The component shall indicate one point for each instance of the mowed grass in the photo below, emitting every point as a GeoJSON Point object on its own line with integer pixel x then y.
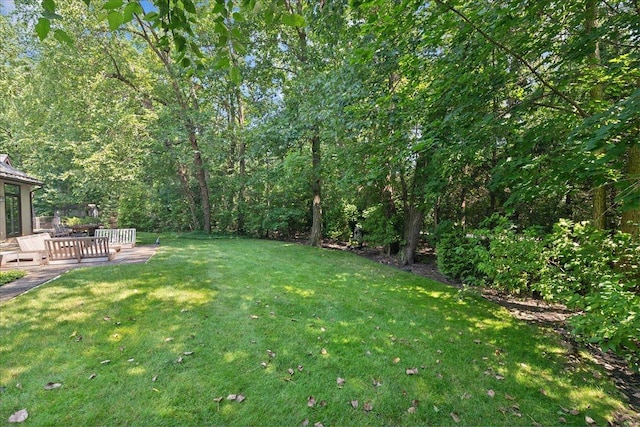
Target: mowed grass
{"type": "Point", "coordinates": [299, 334]}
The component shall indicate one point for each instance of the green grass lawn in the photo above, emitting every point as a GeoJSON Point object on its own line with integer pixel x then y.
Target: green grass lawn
{"type": "Point", "coordinates": [298, 334]}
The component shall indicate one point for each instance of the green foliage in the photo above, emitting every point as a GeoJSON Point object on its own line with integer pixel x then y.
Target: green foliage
{"type": "Point", "coordinates": [165, 342]}
{"type": "Point", "coordinates": [379, 227]}
{"type": "Point", "coordinates": [594, 272]}
{"type": "Point", "coordinates": [460, 255]}
{"type": "Point", "coordinates": [10, 276]}
{"type": "Point", "coordinates": [514, 261]}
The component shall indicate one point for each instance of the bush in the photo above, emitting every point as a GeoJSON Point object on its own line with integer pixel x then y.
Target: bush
{"type": "Point", "coordinates": [10, 276]}
{"type": "Point", "coordinates": [379, 228]}
{"type": "Point", "coordinates": [459, 255]}
{"type": "Point", "coordinates": [589, 270]}
{"type": "Point", "coordinates": [514, 262]}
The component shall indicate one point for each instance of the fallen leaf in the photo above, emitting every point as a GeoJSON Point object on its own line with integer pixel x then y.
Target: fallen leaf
{"type": "Point", "coordinates": [376, 383]}
{"type": "Point", "coordinates": [232, 397]}
{"type": "Point", "coordinates": [92, 376]}
{"type": "Point", "coordinates": [354, 404]}
{"type": "Point", "coordinates": [562, 420]}
{"type": "Point", "coordinates": [188, 353]}
{"type": "Point", "coordinates": [73, 334]}
{"type": "Point", "coordinates": [499, 377]}
{"type": "Point", "coordinates": [543, 391]}
{"type": "Point", "coordinates": [154, 379]}
{"type": "Point", "coordinates": [253, 316]}
{"type": "Point", "coordinates": [131, 360]}
{"type": "Point", "coordinates": [107, 318]}
{"type": "Point", "coordinates": [491, 393]}
{"type": "Point", "coordinates": [455, 417]}
{"type": "Point", "coordinates": [467, 395]}
{"type": "Point", "coordinates": [396, 360]}
{"type": "Point", "coordinates": [340, 382]}
{"type": "Point", "coordinates": [324, 351]}
{"type": "Point", "coordinates": [574, 412]}
{"type": "Point", "coordinates": [411, 410]}
{"type": "Point", "coordinates": [318, 424]}
{"type": "Point", "coordinates": [323, 403]}
{"type": "Point", "coordinates": [271, 353]}
{"type": "Point", "coordinates": [240, 398]}
{"type": "Point", "coordinates": [168, 339]}
{"type": "Point", "coordinates": [589, 420]}
{"type": "Point", "coordinates": [218, 399]}
{"type": "Point", "coordinates": [476, 342]}
{"type": "Point", "coordinates": [179, 360]}
{"type": "Point", "coordinates": [52, 386]}
{"type": "Point", "coordinates": [367, 407]}
{"type": "Point", "coordinates": [19, 417]}
{"type": "Point", "coordinates": [508, 397]}
{"type": "Point", "coordinates": [412, 371]}
{"type": "Point", "coordinates": [305, 422]}
{"type": "Point", "coordinates": [291, 371]}
{"type": "Point", "coordinates": [300, 368]}
{"type": "Point", "coordinates": [263, 364]}
{"type": "Point", "coordinates": [311, 402]}
{"type": "Point", "coordinates": [105, 362]}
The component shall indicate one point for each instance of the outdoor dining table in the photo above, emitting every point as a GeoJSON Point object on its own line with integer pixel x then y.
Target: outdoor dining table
{"type": "Point", "coordinates": [86, 229]}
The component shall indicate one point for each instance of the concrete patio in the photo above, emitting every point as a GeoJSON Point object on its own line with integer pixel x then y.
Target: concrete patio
{"type": "Point", "coordinates": [37, 275]}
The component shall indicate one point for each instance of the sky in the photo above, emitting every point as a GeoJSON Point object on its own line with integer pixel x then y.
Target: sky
{"type": "Point", "coordinates": [6, 6]}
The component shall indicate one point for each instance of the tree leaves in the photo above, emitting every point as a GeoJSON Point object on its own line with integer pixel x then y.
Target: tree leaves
{"type": "Point", "coordinates": [42, 28]}
{"type": "Point", "coordinates": [293, 20]}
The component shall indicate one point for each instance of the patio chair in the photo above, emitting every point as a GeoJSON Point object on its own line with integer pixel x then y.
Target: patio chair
{"type": "Point", "coordinates": [61, 231]}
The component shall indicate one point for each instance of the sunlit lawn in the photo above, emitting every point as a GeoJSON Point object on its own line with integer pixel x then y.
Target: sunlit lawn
{"type": "Point", "coordinates": [298, 334]}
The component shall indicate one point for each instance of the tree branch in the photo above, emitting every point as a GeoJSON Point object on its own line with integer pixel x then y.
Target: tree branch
{"type": "Point", "coordinates": [119, 76]}
{"type": "Point", "coordinates": [577, 108]}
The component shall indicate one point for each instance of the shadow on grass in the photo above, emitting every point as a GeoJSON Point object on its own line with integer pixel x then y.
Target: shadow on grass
{"type": "Point", "coordinates": [279, 323]}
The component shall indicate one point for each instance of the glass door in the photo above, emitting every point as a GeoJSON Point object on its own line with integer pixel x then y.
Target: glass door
{"type": "Point", "coordinates": [12, 210]}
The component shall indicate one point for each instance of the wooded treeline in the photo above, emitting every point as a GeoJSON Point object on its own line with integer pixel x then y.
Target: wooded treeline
{"type": "Point", "coordinates": [294, 117]}
{"type": "Point", "coordinates": [489, 129]}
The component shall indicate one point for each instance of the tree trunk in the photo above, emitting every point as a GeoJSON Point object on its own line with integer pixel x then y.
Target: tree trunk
{"type": "Point", "coordinates": [201, 176]}
{"type": "Point", "coordinates": [413, 218]}
{"type": "Point", "coordinates": [191, 199]}
{"type": "Point", "coordinates": [315, 239]}
{"type": "Point", "coordinates": [631, 217]}
{"type": "Point", "coordinates": [596, 94]}
{"type": "Point", "coordinates": [242, 148]}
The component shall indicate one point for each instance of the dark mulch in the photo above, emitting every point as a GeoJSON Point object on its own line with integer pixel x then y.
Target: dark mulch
{"type": "Point", "coordinates": [532, 310]}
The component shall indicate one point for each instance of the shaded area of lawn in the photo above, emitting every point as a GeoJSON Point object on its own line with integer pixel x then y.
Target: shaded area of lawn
{"type": "Point", "coordinates": [300, 333]}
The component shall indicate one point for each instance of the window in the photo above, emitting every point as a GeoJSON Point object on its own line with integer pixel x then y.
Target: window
{"type": "Point", "coordinates": [12, 210]}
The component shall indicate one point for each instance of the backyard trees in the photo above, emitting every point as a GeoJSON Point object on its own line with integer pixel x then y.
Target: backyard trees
{"type": "Point", "coordinates": [453, 111]}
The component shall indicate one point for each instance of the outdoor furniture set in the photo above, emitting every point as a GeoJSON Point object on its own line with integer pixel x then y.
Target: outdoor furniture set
{"type": "Point", "coordinates": [37, 249]}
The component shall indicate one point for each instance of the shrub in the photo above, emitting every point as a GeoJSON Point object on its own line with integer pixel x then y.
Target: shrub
{"type": "Point", "coordinates": [10, 276]}
{"type": "Point", "coordinates": [379, 228]}
{"type": "Point", "coordinates": [514, 261]}
{"type": "Point", "coordinates": [460, 254]}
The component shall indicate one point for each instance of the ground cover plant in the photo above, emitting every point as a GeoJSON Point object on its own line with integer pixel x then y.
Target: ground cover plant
{"type": "Point", "coordinates": [246, 332]}
{"type": "Point", "coordinates": [10, 276]}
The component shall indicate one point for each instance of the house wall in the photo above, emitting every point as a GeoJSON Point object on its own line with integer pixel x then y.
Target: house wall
{"type": "Point", "coordinates": [25, 210]}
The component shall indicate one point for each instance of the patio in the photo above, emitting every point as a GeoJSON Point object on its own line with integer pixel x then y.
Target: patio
{"type": "Point", "coordinates": [38, 275]}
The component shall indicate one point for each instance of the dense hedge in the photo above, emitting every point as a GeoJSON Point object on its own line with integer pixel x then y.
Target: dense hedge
{"type": "Point", "coordinates": [595, 273]}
